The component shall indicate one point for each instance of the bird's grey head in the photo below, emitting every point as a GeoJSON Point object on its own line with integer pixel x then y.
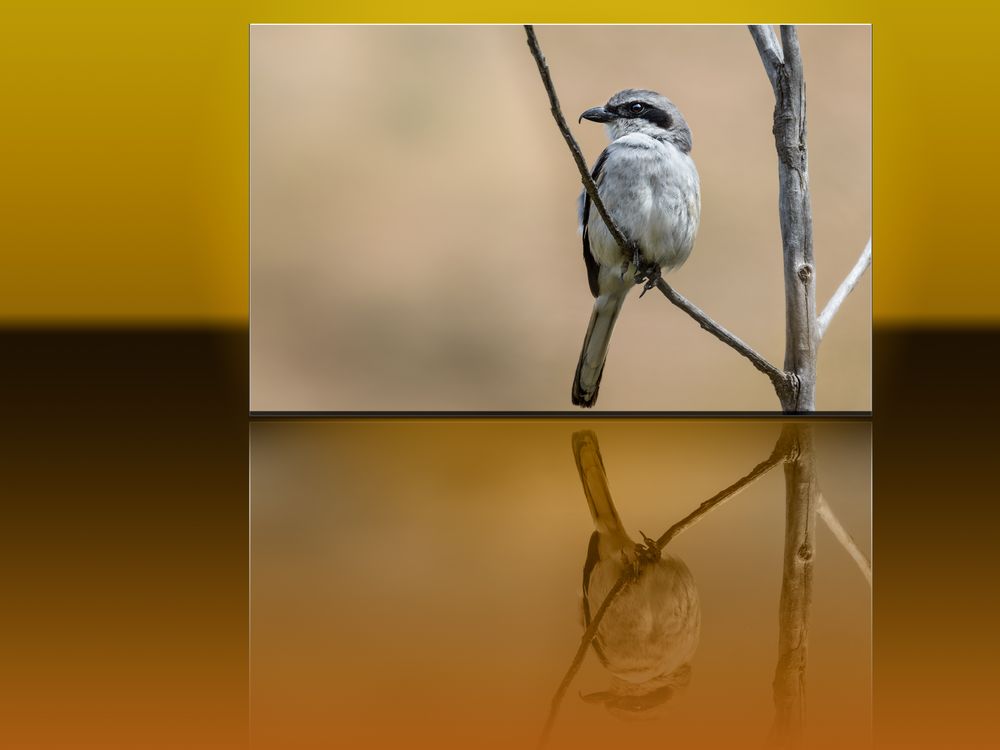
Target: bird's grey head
{"type": "Point", "coordinates": [642, 111]}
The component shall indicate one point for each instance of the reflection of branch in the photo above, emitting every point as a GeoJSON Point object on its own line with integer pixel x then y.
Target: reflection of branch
{"type": "Point", "coordinates": [801, 500]}
{"type": "Point", "coordinates": [825, 512]}
{"type": "Point", "coordinates": [783, 384]}
{"type": "Point", "coordinates": [845, 288]}
{"type": "Point", "coordinates": [588, 637]}
{"type": "Point", "coordinates": [628, 576]}
{"type": "Point", "coordinates": [776, 457]}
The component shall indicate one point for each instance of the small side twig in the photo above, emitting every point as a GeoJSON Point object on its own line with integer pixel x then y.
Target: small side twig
{"type": "Point", "coordinates": [784, 385]}
{"type": "Point", "coordinates": [845, 288]}
{"type": "Point", "coordinates": [770, 52]}
{"type": "Point", "coordinates": [846, 540]}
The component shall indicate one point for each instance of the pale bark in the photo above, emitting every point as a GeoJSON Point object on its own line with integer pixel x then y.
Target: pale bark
{"type": "Point", "coordinates": [794, 213]}
{"type": "Point", "coordinates": [803, 328]}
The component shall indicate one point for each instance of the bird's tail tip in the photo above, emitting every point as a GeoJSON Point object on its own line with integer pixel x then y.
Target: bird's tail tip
{"type": "Point", "coordinates": [581, 397]}
{"type": "Point", "coordinates": [584, 439]}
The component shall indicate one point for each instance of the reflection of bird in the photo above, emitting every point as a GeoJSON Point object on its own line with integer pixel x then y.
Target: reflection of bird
{"type": "Point", "coordinates": [649, 184]}
{"type": "Point", "coordinates": [650, 631]}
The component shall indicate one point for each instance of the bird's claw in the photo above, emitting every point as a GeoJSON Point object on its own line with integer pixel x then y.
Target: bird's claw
{"type": "Point", "coordinates": [635, 261]}
{"type": "Point", "coordinates": [641, 555]}
{"type": "Point", "coordinates": [650, 551]}
{"type": "Point", "coordinates": [647, 275]}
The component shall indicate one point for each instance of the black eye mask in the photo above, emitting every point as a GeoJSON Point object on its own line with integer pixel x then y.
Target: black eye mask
{"type": "Point", "coordinates": [652, 114]}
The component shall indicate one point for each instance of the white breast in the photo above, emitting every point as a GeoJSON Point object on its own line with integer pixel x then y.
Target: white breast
{"type": "Point", "coordinates": [651, 189]}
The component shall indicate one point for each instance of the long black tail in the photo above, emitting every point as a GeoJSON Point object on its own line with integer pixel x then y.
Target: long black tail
{"type": "Point", "coordinates": [590, 368]}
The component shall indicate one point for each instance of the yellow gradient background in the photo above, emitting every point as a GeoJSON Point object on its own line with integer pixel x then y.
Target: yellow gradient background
{"type": "Point", "coordinates": [124, 137]}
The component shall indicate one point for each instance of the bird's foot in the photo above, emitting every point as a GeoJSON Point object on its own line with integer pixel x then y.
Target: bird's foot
{"type": "Point", "coordinates": [641, 555]}
{"type": "Point", "coordinates": [649, 551]}
{"type": "Point", "coordinates": [635, 260]}
{"type": "Point", "coordinates": [647, 274]}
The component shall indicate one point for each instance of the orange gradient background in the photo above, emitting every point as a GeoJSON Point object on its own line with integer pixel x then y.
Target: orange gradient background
{"type": "Point", "coordinates": [125, 538]}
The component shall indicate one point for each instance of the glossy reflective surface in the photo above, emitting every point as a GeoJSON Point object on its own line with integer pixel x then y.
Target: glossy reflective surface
{"type": "Point", "coordinates": [427, 583]}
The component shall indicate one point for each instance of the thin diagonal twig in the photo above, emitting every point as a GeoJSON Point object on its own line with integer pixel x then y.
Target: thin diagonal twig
{"type": "Point", "coordinates": [777, 456]}
{"type": "Point", "coordinates": [585, 640]}
{"type": "Point", "coordinates": [574, 147]}
{"type": "Point", "coordinates": [778, 379]}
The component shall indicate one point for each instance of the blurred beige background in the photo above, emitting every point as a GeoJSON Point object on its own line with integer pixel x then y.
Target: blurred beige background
{"type": "Point", "coordinates": [414, 241]}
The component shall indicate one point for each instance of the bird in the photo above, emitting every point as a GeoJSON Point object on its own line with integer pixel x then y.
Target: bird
{"type": "Point", "coordinates": [650, 632]}
{"type": "Point", "coordinates": [649, 184]}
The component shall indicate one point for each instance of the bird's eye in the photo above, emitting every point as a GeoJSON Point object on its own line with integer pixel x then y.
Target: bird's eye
{"type": "Point", "coordinates": [636, 107]}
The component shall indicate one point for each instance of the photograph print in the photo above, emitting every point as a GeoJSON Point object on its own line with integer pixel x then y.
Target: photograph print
{"type": "Point", "coordinates": [560, 218]}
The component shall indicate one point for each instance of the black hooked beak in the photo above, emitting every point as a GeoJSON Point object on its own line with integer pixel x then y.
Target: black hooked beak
{"type": "Point", "coordinates": [597, 114]}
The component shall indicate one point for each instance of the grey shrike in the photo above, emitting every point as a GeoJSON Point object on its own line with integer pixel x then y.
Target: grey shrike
{"type": "Point", "coordinates": [649, 184]}
{"type": "Point", "coordinates": [649, 634]}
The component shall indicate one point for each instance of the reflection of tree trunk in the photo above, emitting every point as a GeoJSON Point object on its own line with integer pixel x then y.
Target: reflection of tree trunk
{"type": "Point", "coordinates": [801, 504]}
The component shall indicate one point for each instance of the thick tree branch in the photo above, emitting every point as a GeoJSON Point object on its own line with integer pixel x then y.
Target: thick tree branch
{"type": "Point", "coordinates": [845, 288]}
{"type": "Point", "coordinates": [794, 212]}
{"type": "Point", "coordinates": [783, 384]}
